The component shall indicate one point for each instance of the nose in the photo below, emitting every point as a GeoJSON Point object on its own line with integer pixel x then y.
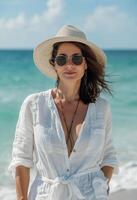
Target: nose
{"type": "Point", "coordinates": [69, 67]}
{"type": "Point", "coordinates": [69, 62]}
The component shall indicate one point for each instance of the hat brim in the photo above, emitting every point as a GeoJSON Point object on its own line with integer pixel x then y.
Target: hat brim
{"type": "Point", "coordinates": [42, 53]}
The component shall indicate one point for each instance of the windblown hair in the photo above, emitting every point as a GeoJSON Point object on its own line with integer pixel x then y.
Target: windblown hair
{"type": "Point", "coordinates": [93, 81]}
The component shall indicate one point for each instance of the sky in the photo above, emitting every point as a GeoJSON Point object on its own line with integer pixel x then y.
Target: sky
{"type": "Point", "coordinates": [110, 24]}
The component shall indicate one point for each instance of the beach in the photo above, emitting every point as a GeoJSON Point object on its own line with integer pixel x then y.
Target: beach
{"type": "Point", "coordinates": [130, 194]}
{"type": "Point", "coordinates": [123, 194]}
{"type": "Point", "coordinates": [22, 79]}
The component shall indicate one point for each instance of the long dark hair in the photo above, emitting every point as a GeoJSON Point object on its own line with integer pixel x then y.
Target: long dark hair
{"type": "Point", "coordinates": [93, 81]}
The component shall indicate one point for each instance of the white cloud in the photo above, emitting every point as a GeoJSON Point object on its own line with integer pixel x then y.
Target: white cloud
{"type": "Point", "coordinates": [108, 17]}
{"type": "Point", "coordinates": [112, 27]}
{"type": "Point", "coordinates": [14, 23]}
{"type": "Point", "coordinates": [54, 10]}
{"type": "Point", "coordinates": [22, 30]}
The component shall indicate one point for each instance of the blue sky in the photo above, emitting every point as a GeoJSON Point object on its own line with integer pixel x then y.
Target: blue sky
{"type": "Point", "coordinates": [108, 23]}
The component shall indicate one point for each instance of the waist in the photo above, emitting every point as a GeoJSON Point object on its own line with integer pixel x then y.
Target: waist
{"type": "Point", "coordinates": [67, 178]}
{"type": "Point", "coordinates": [59, 182]}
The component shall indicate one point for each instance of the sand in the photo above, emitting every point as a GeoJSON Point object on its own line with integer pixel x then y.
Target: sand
{"type": "Point", "coordinates": [124, 195]}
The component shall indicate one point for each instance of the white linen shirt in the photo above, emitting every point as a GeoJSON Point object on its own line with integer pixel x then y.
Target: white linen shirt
{"type": "Point", "coordinates": [40, 142]}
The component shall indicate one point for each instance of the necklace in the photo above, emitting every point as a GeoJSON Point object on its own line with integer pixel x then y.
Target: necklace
{"type": "Point", "coordinates": [73, 117]}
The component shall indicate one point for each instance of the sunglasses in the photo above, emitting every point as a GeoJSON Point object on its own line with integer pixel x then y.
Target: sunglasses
{"type": "Point", "coordinates": [76, 59]}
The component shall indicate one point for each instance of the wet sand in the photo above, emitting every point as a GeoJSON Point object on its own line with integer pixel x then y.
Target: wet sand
{"type": "Point", "coordinates": [124, 195]}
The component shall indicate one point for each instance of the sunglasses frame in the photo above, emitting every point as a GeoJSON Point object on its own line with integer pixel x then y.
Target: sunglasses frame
{"type": "Point", "coordinates": [68, 58]}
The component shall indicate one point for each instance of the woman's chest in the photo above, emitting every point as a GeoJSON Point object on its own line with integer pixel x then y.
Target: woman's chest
{"type": "Point", "coordinates": [49, 134]}
{"type": "Point", "coordinates": [72, 120]}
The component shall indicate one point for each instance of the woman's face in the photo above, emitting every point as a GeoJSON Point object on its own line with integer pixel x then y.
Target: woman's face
{"type": "Point", "coordinates": [70, 71]}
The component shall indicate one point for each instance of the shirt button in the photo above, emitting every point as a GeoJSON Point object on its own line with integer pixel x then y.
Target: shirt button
{"type": "Point", "coordinates": [67, 170]}
{"type": "Point", "coordinates": [74, 150]}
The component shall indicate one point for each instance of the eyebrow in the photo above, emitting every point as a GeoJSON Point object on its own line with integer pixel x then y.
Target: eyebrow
{"type": "Point", "coordinates": [63, 54]}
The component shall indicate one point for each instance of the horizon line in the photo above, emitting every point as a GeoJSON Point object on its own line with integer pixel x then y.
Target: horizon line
{"type": "Point", "coordinates": [105, 49]}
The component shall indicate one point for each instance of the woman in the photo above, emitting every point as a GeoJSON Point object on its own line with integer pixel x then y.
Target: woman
{"type": "Point", "coordinates": [65, 132]}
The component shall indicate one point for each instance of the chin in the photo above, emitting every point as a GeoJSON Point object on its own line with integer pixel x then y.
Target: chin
{"type": "Point", "coordinates": [72, 76]}
{"type": "Point", "coordinates": [72, 79]}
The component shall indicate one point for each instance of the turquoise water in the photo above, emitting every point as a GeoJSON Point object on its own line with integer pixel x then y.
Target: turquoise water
{"type": "Point", "coordinates": [123, 66]}
{"type": "Point", "coordinates": [19, 78]}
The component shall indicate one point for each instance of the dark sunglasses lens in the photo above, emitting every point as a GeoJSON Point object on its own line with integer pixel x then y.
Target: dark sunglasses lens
{"type": "Point", "coordinates": [60, 60]}
{"type": "Point", "coordinates": [77, 59]}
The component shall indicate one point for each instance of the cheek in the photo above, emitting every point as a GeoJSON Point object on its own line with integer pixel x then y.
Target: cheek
{"type": "Point", "coordinates": [57, 69]}
{"type": "Point", "coordinates": [82, 71]}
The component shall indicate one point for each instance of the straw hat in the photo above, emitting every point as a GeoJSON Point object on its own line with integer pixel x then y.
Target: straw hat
{"type": "Point", "coordinates": [42, 53]}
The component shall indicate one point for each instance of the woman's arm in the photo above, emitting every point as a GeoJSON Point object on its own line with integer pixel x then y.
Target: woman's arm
{"type": "Point", "coordinates": [109, 162]}
{"type": "Point", "coordinates": [22, 182]}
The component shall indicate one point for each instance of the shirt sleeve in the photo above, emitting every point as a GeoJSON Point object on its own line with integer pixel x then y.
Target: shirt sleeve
{"type": "Point", "coordinates": [22, 151]}
{"type": "Point", "coordinates": [109, 153]}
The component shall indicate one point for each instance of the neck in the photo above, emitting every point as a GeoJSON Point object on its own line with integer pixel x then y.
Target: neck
{"type": "Point", "coordinates": [69, 92]}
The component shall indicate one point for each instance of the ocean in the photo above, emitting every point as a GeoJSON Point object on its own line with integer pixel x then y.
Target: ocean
{"type": "Point", "coordinates": [19, 77]}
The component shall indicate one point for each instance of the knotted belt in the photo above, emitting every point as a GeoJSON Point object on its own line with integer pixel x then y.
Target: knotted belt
{"type": "Point", "coordinates": [57, 191]}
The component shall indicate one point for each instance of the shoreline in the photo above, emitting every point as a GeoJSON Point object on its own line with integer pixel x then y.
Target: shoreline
{"type": "Point", "coordinates": [126, 194]}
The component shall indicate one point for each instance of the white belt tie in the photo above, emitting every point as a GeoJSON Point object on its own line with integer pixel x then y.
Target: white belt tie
{"type": "Point", "coordinates": [57, 189]}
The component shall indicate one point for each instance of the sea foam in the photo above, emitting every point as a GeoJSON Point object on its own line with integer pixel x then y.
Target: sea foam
{"type": "Point", "coordinates": [126, 179]}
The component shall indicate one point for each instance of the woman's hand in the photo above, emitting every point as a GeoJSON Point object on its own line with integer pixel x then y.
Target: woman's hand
{"type": "Point", "coordinates": [108, 171]}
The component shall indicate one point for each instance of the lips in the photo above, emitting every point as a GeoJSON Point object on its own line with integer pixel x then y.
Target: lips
{"type": "Point", "coordinates": [70, 73]}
